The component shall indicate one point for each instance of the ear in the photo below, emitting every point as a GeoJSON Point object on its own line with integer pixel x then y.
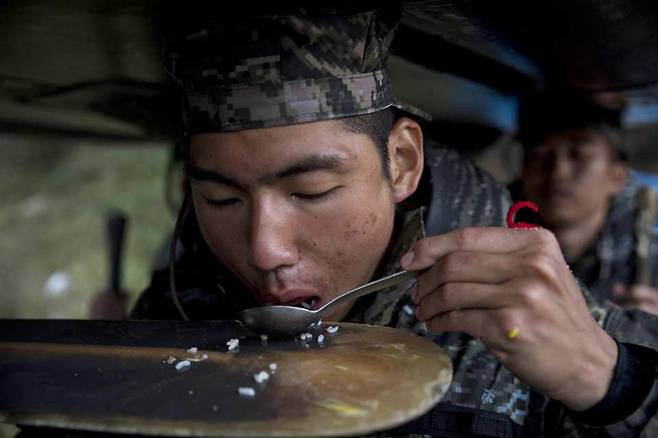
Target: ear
{"type": "Point", "coordinates": [618, 176]}
{"type": "Point", "coordinates": [405, 151]}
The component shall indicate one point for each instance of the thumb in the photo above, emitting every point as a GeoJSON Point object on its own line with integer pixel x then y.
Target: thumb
{"type": "Point", "coordinates": [419, 257]}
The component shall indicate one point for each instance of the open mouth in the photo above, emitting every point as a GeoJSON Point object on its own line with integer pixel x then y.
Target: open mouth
{"type": "Point", "coordinates": [309, 303]}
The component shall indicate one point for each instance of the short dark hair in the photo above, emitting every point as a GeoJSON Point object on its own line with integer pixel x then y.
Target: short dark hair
{"type": "Point", "coordinates": [377, 126]}
{"type": "Point", "coordinates": [542, 115]}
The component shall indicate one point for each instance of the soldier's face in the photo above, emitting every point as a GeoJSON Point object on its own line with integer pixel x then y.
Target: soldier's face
{"type": "Point", "coordinates": [299, 213]}
{"type": "Point", "coordinates": [572, 175]}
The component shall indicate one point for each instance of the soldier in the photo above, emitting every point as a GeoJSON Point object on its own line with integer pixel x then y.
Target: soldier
{"type": "Point", "coordinates": [575, 169]}
{"type": "Point", "coordinates": [308, 178]}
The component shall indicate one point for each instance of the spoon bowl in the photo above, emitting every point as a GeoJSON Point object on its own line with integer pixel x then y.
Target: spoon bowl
{"type": "Point", "coordinates": [278, 320]}
{"type": "Point", "coordinates": [290, 320]}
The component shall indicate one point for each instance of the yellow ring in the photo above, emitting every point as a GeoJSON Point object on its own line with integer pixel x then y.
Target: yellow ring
{"type": "Point", "coordinates": [513, 334]}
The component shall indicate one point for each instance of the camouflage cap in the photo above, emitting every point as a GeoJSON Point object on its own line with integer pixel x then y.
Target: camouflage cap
{"type": "Point", "coordinates": [281, 70]}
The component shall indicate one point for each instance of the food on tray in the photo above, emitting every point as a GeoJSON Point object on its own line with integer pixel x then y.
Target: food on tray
{"type": "Point", "coordinates": [182, 365]}
{"type": "Point", "coordinates": [232, 344]}
{"type": "Point", "coordinates": [261, 377]}
{"type": "Point", "coordinates": [247, 391]}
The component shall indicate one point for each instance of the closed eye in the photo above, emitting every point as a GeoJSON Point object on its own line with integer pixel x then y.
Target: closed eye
{"type": "Point", "coordinates": [219, 203]}
{"type": "Point", "coordinates": [315, 196]}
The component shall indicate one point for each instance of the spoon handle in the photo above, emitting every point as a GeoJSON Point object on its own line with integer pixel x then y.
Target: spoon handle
{"type": "Point", "coordinates": [371, 287]}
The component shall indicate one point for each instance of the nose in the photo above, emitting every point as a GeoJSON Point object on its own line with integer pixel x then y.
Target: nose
{"type": "Point", "coordinates": [560, 165]}
{"type": "Point", "coordinates": [272, 236]}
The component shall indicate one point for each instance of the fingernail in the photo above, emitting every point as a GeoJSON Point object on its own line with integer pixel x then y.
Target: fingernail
{"type": "Point", "coordinates": [407, 259]}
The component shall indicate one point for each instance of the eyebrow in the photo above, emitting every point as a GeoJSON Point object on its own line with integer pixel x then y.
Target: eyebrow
{"type": "Point", "coordinates": [308, 164]}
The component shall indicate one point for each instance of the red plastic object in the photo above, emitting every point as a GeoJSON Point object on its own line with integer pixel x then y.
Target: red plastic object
{"type": "Point", "coordinates": [514, 209]}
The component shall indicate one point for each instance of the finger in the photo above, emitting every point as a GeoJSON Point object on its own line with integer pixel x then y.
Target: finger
{"type": "Point", "coordinates": [459, 296]}
{"type": "Point", "coordinates": [638, 303]}
{"type": "Point", "coordinates": [642, 292]}
{"type": "Point", "coordinates": [465, 267]}
{"type": "Point", "coordinates": [469, 321]}
{"type": "Point", "coordinates": [637, 296]}
{"type": "Point", "coordinates": [427, 251]}
{"type": "Point", "coordinates": [491, 326]}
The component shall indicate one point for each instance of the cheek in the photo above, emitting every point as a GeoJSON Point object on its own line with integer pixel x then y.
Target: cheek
{"type": "Point", "coordinates": [591, 187]}
{"type": "Point", "coordinates": [359, 240]}
{"type": "Point", "coordinates": [364, 227]}
{"type": "Point", "coordinates": [222, 233]}
{"type": "Point", "coordinates": [592, 178]}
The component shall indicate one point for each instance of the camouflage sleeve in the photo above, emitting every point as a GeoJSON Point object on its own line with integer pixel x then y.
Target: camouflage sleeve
{"type": "Point", "coordinates": [639, 331]}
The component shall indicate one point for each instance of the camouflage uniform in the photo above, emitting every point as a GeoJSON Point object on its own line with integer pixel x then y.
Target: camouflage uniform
{"type": "Point", "coordinates": [295, 70]}
{"type": "Point", "coordinates": [612, 257]}
{"type": "Point", "coordinates": [498, 403]}
{"type": "Point", "coordinates": [485, 399]}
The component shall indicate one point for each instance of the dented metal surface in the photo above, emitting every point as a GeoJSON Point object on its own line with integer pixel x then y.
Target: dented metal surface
{"type": "Point", "coordinates": [118, 377]}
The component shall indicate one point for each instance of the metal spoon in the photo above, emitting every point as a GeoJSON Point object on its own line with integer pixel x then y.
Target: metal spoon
{"type": "Point", "coordinates": [290, 320]}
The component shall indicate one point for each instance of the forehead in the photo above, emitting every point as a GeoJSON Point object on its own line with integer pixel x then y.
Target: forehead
{"type": "Point", "coordinates": [256, 151]}
{"type": "Point", "coordinates": [594, 142]}
{"type": "Point", "coordinates": [574, 137]}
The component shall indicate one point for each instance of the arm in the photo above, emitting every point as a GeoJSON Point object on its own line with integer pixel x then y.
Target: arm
{"type": "Point", "coordinates": [626, 408]}
{"type": "Point", "coordinates": [638, 332]}
{"type": "Point", "coordinates": [487, 282]}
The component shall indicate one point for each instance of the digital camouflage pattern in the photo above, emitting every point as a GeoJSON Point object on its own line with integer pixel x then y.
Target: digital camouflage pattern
{"type": "Point", "coordinates": [281, 70]}
{"type": "Point", "coordinates": [468, 197]}
{"type": "Point", "coordinates": [292, 69]}
{"type": "Point", "coordinates": [485, 399]}
{"type": "Point", "coordinates": [612, 257]}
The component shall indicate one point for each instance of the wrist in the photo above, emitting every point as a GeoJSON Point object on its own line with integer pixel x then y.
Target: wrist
{"type": "Point", "coordinates": [592, 374]}
{"type": "Point", "coordinates": [633, 381]}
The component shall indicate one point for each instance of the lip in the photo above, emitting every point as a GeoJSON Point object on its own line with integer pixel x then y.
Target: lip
{"type": "Point", "coordinates": [559, 193]}
{"type": "Point", "coordinates": [290, 297]}
{"type": "Point", "coordinates": [559, 198]}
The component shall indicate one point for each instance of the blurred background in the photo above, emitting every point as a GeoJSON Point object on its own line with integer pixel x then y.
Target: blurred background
{"type": "Point", "coordinates": [55, 196]}
{"type": "Point", "coordinates": [78, 84]}
{"type": "Point", "coordinates": [88, 121]}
